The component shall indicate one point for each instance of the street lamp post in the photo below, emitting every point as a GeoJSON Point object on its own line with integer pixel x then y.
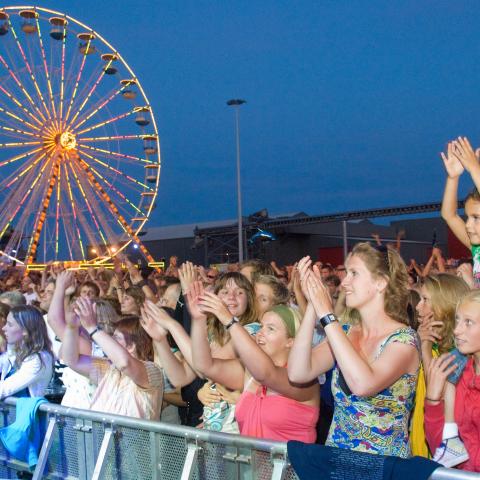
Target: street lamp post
{"type": "Point", "coordinates": [236, 102]}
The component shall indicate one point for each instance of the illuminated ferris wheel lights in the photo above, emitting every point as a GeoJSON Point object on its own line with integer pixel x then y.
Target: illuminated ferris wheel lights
{"type": "Point", "coordinates": [56, 85]}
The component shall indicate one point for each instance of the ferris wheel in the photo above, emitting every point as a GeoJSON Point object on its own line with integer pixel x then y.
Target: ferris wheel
{"type": "Point", "coordinates": [79, 147]}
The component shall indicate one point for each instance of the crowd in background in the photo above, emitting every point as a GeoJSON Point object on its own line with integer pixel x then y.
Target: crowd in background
{"type": "Point", "coordinates": [379, 354]}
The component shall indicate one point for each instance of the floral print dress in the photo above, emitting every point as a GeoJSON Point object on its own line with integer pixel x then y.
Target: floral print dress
{"type": "Point", "coordinates": [376, 424]}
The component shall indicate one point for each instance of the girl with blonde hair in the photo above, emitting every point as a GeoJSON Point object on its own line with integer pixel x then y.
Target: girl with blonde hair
{"type": "Point", "coordinates": [439, 296]}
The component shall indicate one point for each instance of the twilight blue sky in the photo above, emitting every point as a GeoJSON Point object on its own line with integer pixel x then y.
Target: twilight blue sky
{"type": "Point", "coordinates": [349, 102]}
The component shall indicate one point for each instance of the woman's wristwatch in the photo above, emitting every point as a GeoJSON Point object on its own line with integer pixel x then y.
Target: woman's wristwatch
{"type": "Point", "coordinates": [328, 319]}
{"type": "Point", "coordinates": [233, 321]}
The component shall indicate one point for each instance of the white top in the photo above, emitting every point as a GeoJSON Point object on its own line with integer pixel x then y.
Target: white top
{"type": "Point", "coordinates": [56, 344]}
{"type": "Point", "coordinates": [32, 374]}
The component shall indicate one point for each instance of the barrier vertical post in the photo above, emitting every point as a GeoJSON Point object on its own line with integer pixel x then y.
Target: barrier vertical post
{"type": "Point", "coordinates": [192, 453]}
{"type": "Point", "coordinates": [47, 444]}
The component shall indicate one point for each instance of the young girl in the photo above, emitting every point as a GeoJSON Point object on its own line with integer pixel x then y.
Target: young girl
{"type": "Point", "coordinates": [260, 370]}
{"type": "Point", "coordinates": [219, 403]}
{"type": "Point", "coordinates": [467, 390]}
{"type": "Point", "coordinates": [269, 291]}
{"type": "Point", "coordinates": [439, 295]}
{"type": "Point", "coordinates": [128, 382]}
{"type": "Point", "coordinates": [27, 364]}
{"type": "Point", "coordinates": [376, 358]}
{"type": "Point", "coordinates": [460, 156]}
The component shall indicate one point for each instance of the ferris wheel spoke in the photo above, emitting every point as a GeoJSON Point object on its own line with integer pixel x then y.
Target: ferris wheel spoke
{"type": "Point", "coordinates": [121, 195]}
{"type": "Point", "coordinates": [29, 69]}
{"type": "Point", "coordinates": [74, 211]}
{"type": "Point", "coordinates": [62, 71]}
{"type": "Point", "coordinates": [57, 213]}
{"type": "Point", "coordinates": [97, 201]}
{"type": "Point", "coordinates": [90, 93]}
{"type": "Point", "coordinates": [23, 89]}
{"type": "Point", "coordinates": [102, 105]}
{"type": "Point", "coordinates": [44, 58]}
{"type": "Point", "coordinates": [110, 185]}
{"type": "Point", "coordinates": [116, 171]}
{"type": "Point", "coordinates": [81, 188]}
{"type": "Point", "coordinates": [14, 132]}
{"type": "Point", "coordinates": [77, 81]}
{"type": "Point", "coordinates": [83, 224]}
{"type": "Point", "coordinates": [20, 157]}
{"type": "Point", "coordinates": [114, 210]}
{"type": "Point", "coordinates": [18, 144]}
{"type": "Point", "coordinates": [19, 204]}
{"type": "Point", "coordinates": [106, 122]}
{"type": "Point", "coordinates": [106, 139]}
{"type": "Point", "coordinates": [19, 104]}
{"type": "Point", "coordinates": [18, 119]}
{"type": "Point", "coordinates": [20, 172]}
{"type": "Point", "coordinates": [116, 155]}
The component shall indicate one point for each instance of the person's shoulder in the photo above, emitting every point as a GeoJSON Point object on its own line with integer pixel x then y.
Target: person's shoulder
{"type": "Point", "coordinates": [403, 334]}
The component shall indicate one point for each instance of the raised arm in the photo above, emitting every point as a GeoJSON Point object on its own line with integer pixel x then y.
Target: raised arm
{"type": "Point", "coordinates": [227, 372]}
{"type": "Point", "coordinates": [362, 377]}
{"type": "Point", "coordinates": [69, 352]}
{"type": "Point", "coordinates": [137, 280]}
{"type": "Point", "coordinates": [56, 317]}
{"type": "Point", "coordinates": [454, 169]}
{"type": "Point", "coordinates": [179, 373]}
{"type": "Point", "coordinates": [116, 353]}
{"type": "Point", "coordinates": [437, 253]}
{"type": "Point", "coordinates": [252, 357]}
{"type": "Point", "coordinates": [305, 364]}
{"type": "Point", "coordinates": [469, 159]}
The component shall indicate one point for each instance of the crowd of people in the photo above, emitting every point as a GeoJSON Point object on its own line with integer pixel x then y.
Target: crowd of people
{"type": "Point", "coordinates": [376, 355]}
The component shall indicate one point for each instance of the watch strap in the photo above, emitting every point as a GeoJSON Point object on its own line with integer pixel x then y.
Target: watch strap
{"type": "Point", "coordinates": [328, 319]}
{"type": "Point", "coordinates": [233, 321]}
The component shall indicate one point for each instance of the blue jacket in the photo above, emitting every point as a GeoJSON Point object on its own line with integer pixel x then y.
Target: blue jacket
{"type": "Point", "coordinates": [24, 437]}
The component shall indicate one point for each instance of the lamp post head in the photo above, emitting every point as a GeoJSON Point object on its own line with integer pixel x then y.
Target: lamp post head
{"type": "Point", "coordinates": [236, 102]}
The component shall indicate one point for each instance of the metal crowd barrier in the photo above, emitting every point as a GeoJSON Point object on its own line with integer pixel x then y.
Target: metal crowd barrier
{"type": "Point", "coordinates": [84, 445]}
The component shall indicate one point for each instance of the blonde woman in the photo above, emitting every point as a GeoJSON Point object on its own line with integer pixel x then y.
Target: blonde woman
{"type": "Point", "coordinates": [375, 359]}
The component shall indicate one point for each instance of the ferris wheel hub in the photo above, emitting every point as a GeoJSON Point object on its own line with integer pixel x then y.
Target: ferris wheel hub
{"type": "Point", "coordinates": [66, 140]}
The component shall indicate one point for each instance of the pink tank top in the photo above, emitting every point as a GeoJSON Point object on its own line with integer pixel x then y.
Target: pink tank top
{"type": "Point", "coordinates": [275, 417]}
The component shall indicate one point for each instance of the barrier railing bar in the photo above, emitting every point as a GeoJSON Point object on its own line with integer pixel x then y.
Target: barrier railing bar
{"type": "Point", "coordinates": [102, 454]}
{"type": "Point", "coordinates": [451, 474]}
{"type": "Point", "coordinates": [158, 427]}
{"type": "Point", "coordinates": [46, 445]}
{"type": "Point", "coordinates": [193, 450]}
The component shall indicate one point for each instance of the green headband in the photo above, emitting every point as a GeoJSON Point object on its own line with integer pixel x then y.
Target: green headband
{"type": "Point", "coordinates": [286, 314]}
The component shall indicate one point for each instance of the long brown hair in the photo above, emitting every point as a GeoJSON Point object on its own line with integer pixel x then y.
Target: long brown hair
{"type": "Point", "coordinates": [35, 338]}
{"type": "Point", "coordinates": [216, 331]}
{"type": "Point", "coordinates": [135, 335]}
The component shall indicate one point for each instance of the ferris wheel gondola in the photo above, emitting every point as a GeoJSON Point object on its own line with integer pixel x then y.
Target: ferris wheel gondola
{"type": "Point", "coordinates": [79, 146]}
